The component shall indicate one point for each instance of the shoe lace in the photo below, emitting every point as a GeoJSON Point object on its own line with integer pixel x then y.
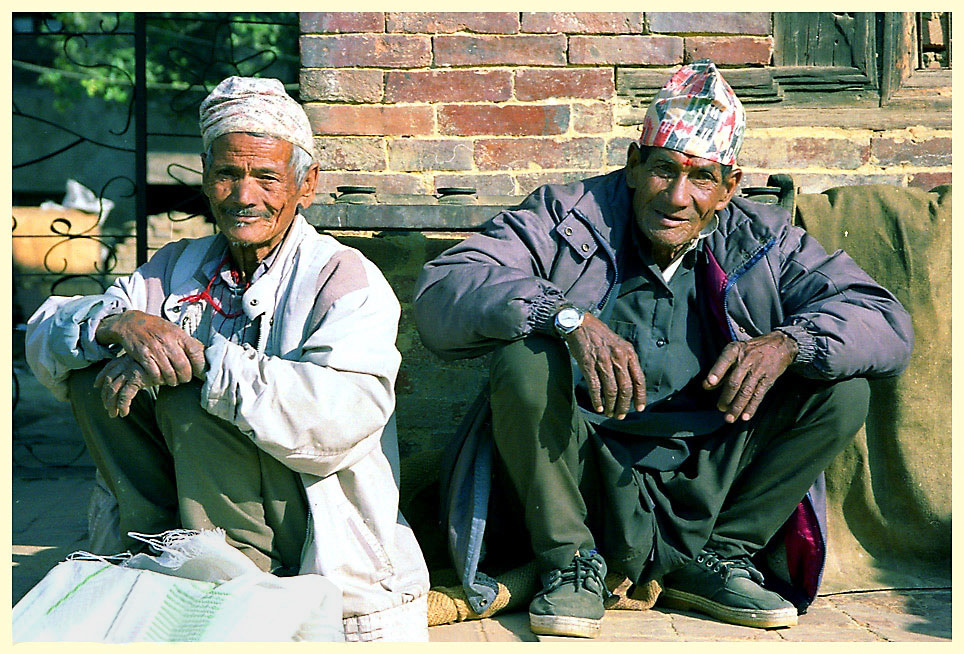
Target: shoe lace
{"type": "Point", "coordinates": [727, 567]}
{"type": "Point", "coordinates": [585, 571]}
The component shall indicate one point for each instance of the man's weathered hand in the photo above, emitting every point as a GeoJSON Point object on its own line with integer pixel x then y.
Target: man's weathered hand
{"type": "Point", "coordinates": [610, 366]}
{"type": "Point", "coordinates": [746, 370]}
{"type": "Point", "coordinates": [120, 380]}
{"type": "Point", "coordinates": [167, 354]}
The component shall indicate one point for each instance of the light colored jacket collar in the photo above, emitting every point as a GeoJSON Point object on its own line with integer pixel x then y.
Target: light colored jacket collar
{"type": "Point", "coordinates": [259, 298]}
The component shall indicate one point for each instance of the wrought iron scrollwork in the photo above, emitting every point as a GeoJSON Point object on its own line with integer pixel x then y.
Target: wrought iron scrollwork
{"type": "Point", "coordinates": [65, 53]}
{"type": "Point", "coordinates": [111, 68]}
{"type": "Point", "coordinates": [176, 213]}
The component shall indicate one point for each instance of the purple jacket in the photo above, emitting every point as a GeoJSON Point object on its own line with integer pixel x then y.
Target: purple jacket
{"type": "Point", "coordinates": [559, 246]}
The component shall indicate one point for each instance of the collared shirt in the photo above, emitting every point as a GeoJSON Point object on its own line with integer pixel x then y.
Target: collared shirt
{"type": "Point", "coordinates": [659, 313]}
{"type": "Point", "coordinates": [231, 322]}
{"type": "Point", "coordinates": [670, 270]}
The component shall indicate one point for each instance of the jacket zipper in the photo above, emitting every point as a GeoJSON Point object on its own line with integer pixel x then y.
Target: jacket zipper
{"type": "Point", "coordinates": [263, 325]}
{"type": "Point", "coordinates": [605, 248]}
{"type": "Point", "coordinates": [308, 531]}
{"type": "Point", "coordinates": [610, 291]}
{"type": "Point", "coordinates": [739, 272]}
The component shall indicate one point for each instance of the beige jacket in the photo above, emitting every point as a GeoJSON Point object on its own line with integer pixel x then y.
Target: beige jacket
{"type": "Point", "coordinates": [317, 393]}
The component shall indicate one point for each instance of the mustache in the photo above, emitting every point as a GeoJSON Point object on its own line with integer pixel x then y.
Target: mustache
{"type": "Point", "coordinates": [244, 213]}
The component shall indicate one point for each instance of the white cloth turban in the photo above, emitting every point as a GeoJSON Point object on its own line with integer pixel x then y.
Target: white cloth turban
{"type": "Point", "coordinates": [254, 104]}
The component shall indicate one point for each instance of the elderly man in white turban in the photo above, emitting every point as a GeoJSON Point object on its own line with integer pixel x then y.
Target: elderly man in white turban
{"type": "Point", "coordinates": [245, 381]}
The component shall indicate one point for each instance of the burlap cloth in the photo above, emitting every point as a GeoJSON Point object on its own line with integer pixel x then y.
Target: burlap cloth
{"type": "Point", "coordinates": [889, 493]}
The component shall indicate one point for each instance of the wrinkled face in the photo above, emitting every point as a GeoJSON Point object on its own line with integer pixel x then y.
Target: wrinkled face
{"type": "Point", "coordinates": [252, 190]}
{"type": "Point", "coordinates": [675, 196]}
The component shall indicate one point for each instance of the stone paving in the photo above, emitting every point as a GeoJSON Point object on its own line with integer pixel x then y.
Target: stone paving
{"type": "Point", "coordinates": [52, 479]}
{"type": "Point", "coordinates": [878, 616]}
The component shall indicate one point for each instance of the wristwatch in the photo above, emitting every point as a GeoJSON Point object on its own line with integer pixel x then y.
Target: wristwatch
{"type": "Point", "coordinates": [568, 319]}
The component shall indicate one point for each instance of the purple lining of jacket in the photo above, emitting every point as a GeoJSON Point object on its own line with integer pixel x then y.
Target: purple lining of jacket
{"type": "Point", "coordinates": [804, 531]}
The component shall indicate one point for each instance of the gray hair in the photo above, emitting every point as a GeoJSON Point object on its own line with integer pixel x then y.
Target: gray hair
{"type": "Point", "coordinates": [298, 163]}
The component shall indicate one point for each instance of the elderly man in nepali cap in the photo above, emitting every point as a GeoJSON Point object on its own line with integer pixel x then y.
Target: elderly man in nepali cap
{"type": "Point", "coordinates": [245, 381]}
{"type": "Point", "coordinates": [672, 367]}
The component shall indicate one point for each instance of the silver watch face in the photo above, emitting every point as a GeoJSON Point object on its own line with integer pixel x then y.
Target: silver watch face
{"type": "Point", "coordinates": [568, 319]}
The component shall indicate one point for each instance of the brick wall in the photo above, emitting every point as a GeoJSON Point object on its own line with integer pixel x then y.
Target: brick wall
{"type": "Point", "coordinates": [503, 102]}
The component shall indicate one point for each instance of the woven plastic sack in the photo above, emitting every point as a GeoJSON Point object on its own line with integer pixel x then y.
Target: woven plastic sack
{"type": "Point", "coordinates": [198, 589]}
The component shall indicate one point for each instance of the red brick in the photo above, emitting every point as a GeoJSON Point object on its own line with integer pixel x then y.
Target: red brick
{"type": "Point", "coordinates": [433, 154]}
{"type": "Point", "coordinates": [446, 22]}
{"type": "Point", "coordinates": [369, 120]}
{"type": "Point", "coordinates": [365, 50]}
{"type": "Point", "coordinates": [803, 152]}
{"type": "Point", "coordinates": [350, 153]}
{"type": "Point", "coordinates": [731, 50]}
{"type": "Point", "coordinates": [517, 50]}
{"type": "Point", "coordinates": [505, 120]}
{"type": "Point", "coordinates": [520, 154]}
{"type": "Point", "coordinates": [820, 182]}
{"type": "Point", "coordinates": [754, 178]}
{"type": "Point", "coordinates": [594, 118]}
{"type": "Point", "coordinates": [929, 180]}
{"type": "Point", "coordinates": [583, 22]}
{"type": "Point", "coordinates": [341, 21]}
{"type": "Point", "coordinates": [890, 151]}
{"type": "Point", "coordinates": [712, 22]}
{"type": "Point", "coordinates": [616, 149]}
{"type": "Point", "coordinates": [493, 184]}
{"type": "Point", "coordinates": [528, 182]}
{"type": "Point", "coordinates": [395, 183]}
{"type": "Point", "coordinates": [460, 85]}
{"type": "Point", "coordinates": [341, 85]}
{"type": "Point", "coordinates": [626, 50]}
{"type": "Point", "coordinates": [541, 83]}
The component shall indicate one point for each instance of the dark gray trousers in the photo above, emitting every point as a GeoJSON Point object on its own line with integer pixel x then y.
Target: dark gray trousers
{"type": "Point", "coordinates": [573, 489]}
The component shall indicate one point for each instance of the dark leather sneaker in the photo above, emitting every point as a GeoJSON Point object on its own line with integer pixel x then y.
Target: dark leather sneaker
{"type": "Point", "coordinates": [571, 600]}
{"type": "Point", "coordinates": [728, 590]}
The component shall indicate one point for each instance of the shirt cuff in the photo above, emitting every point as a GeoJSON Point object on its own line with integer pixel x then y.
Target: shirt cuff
{"type": "Point", "coordinates": [214, 388]}
{"type": "Point", "coordinates": [89, 347]}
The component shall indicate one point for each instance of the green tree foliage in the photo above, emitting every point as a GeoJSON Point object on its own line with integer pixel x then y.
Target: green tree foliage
{"type": "Point", "coordinates": [93, 53]}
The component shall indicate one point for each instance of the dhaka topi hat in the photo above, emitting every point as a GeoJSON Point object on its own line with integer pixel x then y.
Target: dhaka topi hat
{"type": "Point", "coordinates": [698, 114]}
{"type": "Point", "coordinates": [257, 105]}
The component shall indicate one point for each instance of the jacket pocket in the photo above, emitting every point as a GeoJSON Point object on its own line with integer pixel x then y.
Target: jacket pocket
{"type": "Point", "coordinates": [577, 235]}
{"type": "Point", "coordinates": [361, 541]}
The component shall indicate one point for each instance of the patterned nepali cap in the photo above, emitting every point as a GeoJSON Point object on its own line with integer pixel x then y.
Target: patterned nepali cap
{"type": "Point", "coordinates": [254, 104]}
{"type": "Point", "coordinates": [698, 114]}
